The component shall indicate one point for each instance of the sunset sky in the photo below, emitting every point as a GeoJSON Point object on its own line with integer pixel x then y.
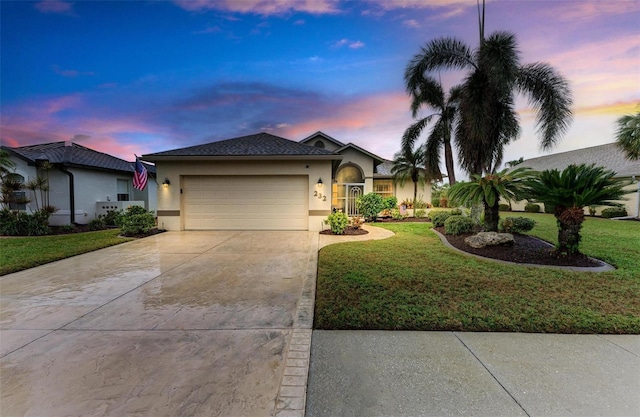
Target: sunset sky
{"type": "Point", "coordinates": [147, 76]}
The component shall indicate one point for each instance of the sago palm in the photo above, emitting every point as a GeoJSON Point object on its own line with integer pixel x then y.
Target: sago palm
{"type": "Point", "coordinates": [488, 190]}
{"type": "Point", "coordinates": [570, 191]}
{"type": "Point", "coordinates": [428, 93]}
{"type": "Point", "coordinates": [487, 119]}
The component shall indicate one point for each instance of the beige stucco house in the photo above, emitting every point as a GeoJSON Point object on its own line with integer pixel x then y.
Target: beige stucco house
{"type": "Point", "coordinates": [608, 156]}
{"type": "Point", "coordinates": [266, 182]}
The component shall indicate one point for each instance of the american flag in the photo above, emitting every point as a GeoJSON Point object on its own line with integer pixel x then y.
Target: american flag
{"type": "Point", "coordinates": [139, 176]}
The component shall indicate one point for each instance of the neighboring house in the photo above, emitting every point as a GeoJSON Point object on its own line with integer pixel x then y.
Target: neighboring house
{"type": "Point", "coordinates": [265, 182]}
{"type": "Point", "coordinates": [608, 156]}
{"type": "Point", "coordinates": [83, 183]}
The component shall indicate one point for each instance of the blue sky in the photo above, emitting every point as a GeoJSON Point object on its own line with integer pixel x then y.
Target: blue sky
{"type": "Point", "coordinates": [146, 76]}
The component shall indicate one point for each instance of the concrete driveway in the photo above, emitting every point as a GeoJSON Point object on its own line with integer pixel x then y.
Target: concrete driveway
{"type": "Point", "coordinates": [181, 323]}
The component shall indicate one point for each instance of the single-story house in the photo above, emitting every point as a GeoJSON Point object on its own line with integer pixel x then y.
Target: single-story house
{"type": "Point", "coordinates": [83, 183]}
{"type": "Point", "coordinates": [266, 182]}
{"type": "Point", "coordinates": [608, 156]}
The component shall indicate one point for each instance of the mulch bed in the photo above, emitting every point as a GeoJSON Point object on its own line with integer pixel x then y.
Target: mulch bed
{"type": "Point", "coordinates": [405, 220]}
{"type": "Point", "coordinates": [526, 249]}
{"type": "Point", "coordinates": [349, 231]}
{"type": "Point", "coordinates": [82, 228]}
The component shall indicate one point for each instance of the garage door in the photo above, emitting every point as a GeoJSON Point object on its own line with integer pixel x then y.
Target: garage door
{"type": "Point", "coordinates": [245, 202]}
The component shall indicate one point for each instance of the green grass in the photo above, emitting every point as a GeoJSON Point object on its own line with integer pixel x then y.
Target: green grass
{"type": "Point", "coordinates": [413, 282]}
{"type": "Point", "coordinates": [18, 253]}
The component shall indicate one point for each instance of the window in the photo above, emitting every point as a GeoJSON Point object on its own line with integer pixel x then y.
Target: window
{"type": "Point", "coordinates": [383, 187]}
{"type": "Point", "coordinates": [18, 201]}
{"type": "Point", "coordinates": [123, 190]}
{"type": "Point", "coordinates": [349, 174]}
{"type": "Point", "coordinates": [319, 144]}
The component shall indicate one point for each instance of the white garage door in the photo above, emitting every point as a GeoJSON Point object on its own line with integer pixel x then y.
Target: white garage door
{"type": "Point", "coordinates": [245, 202]}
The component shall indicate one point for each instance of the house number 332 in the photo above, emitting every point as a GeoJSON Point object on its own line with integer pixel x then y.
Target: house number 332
{"type": "Point", "coordinates": [320, 196]}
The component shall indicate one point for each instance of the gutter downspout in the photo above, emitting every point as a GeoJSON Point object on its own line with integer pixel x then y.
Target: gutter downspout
{"type": "Point", "coordinates": [72, 200]}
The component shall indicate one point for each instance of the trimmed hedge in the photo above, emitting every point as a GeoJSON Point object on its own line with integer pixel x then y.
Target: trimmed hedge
{"type": "Point", "coordinates": [532, 208]}
{"type": "Point", "coordinates": [516, 224]}
{"type": "Point", "coordinates": [457, 225]}
{"type": "Point", "coordinates": [614, 212]}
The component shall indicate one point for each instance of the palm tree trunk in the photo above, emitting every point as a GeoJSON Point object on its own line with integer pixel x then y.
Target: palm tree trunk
{"type": "Point", "coordinates": [491, 216]}
{"type": "Point", "coordinates": [569, 224]}
{"type": "Point", "coordinates": [448, 161]}
{"type": "Point", "coordinates": [415, 196]}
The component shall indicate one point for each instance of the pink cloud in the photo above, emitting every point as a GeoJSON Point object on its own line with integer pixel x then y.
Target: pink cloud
{"type": "Point", "coordinates": [55, 6]}
{"type": "Point", "coordinates": [262, 7]}
{"type": "Point", "coordinates": [412, 23]}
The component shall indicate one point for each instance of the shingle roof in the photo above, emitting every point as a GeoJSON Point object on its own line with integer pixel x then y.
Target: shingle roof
{"type": "Point", "coordinates": [608, 156]}
{"type": "Point", "coordinates": [384, 169]}
{"type": "Point", "coordinates": [260, 144]}
{"type": "Point", "coordinates": [74, 155]}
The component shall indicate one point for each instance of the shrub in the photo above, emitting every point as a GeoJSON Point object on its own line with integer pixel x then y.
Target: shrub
{"type": "Point", "coordinates": [438, 218]}
{"type": "Point", "coordinates": [549, 208]}
{"type": "Point", "coordinates": [614, 212]}
{"type": "Point", "coordinates": [136, 220]}
{"type": "Point", "coordinates": [395, 214]}
{"type": "Point", "coordinates": [457, 225]}
{"type": "Point", "coordinates": [592, 211]}
{"type": "Point", "coordinates": [504, 207]}
{"type": "Point", "coordinates": [356, 222]}
{"type": "Point", "coordinates": [97, 224]}
{"type": "Point", "coordinates": [407, 202]}
{"type": "Point", "coordinates": [111, 218]}
{"type": "Point", "coordinates": [337, 222]}
{"type": "Point", "coordinates": [532, 208]}
{"type": "Point", "coordinates": [444, 202]}
{"type": "Point", "coordinates": [516, 224]}
{"type": "Point", "coordinates": [19, 223]}
{"type": "Point", "coordinates": [67, 228]}
{"type": "Point", "coordinates": [389, 203]}
{"type": "Point", "coordinates": [456, 212]}
{"type": "Point", "coordinates": [435, 203]}
{"type": "Point", "coordinates": [420, 204]}
{"type": "Point", "coordinates": [369, 205]}
{"type": "Point", "coordinates": [420, 213]}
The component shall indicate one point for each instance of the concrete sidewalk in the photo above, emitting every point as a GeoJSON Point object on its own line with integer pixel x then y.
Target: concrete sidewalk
{"type": "Point", "coordinates": [387, 373]}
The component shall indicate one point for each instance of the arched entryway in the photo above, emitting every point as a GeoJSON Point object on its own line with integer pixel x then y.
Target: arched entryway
{"type": "Point", "coordinates": [348, 186]}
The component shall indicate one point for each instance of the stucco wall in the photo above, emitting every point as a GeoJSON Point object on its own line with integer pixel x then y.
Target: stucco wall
{"type": "Point", "coordinates": [406, 192]}
{"type": "Point", "coordinates": [630, 203]}
{"type": "Point", "coordinates": [170, 204]}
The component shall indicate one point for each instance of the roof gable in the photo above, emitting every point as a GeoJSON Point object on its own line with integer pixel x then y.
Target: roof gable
{"type": "Point", "coordinates": [608, 156]}
{"type": "Point", "coordinates": [257, 145]}
{"type": "Point", "coordinates": [377, 160]}
{"type": "Point", "coordinates": [324, 136]}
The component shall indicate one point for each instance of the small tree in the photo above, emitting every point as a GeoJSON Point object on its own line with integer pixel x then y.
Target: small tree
{"type": "Point", "coordinates": [369, 205]}
{"type": "Point", "coordinates": [570, 191]}
{"type": "Point", "coordinates": [488, 190]}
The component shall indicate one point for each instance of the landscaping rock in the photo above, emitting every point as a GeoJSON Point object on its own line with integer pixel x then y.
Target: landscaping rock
{"type": "Point", "coordinates": [483, 239]}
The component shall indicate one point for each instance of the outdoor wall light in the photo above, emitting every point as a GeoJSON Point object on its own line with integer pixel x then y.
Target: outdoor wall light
{"type": "Point", "coordinates": [166, 183]}
{"type": "Point", "coordinates": [320, 182]}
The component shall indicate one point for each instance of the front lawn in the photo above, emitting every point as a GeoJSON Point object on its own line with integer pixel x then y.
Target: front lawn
{"type": "Point", "coordinates": [413, 282]}
{"type": "Point", "coordinates": [18, 253]}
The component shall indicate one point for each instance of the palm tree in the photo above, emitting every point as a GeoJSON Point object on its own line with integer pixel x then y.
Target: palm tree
{"type": "Point", "coordinates": [410, 164]}
{"type": "Point", "coordinates": [570, 191]}
{"type": "Point", "coordinates": [628, 135]}
{"type": "Point", "coordinates": [488, 190]}
{"type": "Point", "coordinates": [487, 120]}
{"type": "Point", "coordinates": [429, 93]}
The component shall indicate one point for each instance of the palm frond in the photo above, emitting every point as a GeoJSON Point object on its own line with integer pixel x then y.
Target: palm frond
{"type": "Point", "coordinates": [550, 96]}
